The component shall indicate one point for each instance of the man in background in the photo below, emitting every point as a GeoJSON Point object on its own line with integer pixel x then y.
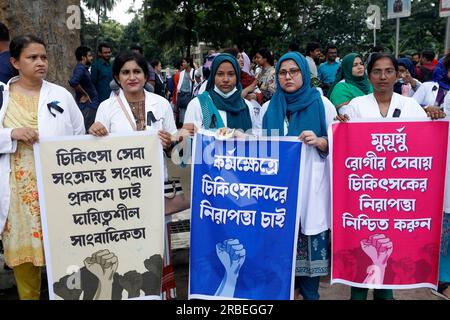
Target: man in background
{"type": "Point", "coordinates": [415, 57]}
{"type": "Point", "coordinates": [101, 71]}
{"type": "Point", "coordinates": [6, 69]}
{"type": "Point", "coordinates": [312, 55]}
{"type": "Point", "coordinates": [424, 72]}
{"type": "Point", "coordinates": [327, 70]}
{"type": "Point", "coordinates": [85, 93]}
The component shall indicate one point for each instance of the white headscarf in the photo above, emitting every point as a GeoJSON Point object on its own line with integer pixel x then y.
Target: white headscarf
{"type": "Point", "coordinates": [246, 67]}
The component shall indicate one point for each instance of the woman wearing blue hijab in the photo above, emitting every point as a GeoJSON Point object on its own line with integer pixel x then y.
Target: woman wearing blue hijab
{"type": "Point", "coordinates": [221, 105]}
{"type": "Point", "coordinates": [406, 84]}
{"type": "Point", "coordinates": [297, 109]}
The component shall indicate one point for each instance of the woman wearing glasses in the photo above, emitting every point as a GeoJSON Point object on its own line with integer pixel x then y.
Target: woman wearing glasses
{"type": "Point", "coordinates": [297, 109]}
{"type": "Point", "coordinates": [382, 103]}
{"type": "Point", "coordinates": [351, 81]}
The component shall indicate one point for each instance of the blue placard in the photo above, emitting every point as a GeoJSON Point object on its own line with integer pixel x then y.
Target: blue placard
{"type": "Point", "coordinates": [244, 220]}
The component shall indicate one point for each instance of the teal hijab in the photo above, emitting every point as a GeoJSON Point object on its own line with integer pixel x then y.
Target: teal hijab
{"type": "Point", "coordinates": [345, 72]}
{"type": "Point", "coordinates": [304, 107]}
{"type": "Point", "coordinates": [238, 115]}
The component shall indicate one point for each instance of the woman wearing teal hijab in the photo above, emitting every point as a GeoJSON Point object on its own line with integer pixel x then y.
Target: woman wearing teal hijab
{"type": "Point", "coordinates": [297, 109]}
{"type": "Point", "coordinates": [297, 100]}
{"type": "Point", "coordinates": [351, 81]}
{"type": "Point", "coordinates": [221, 105]}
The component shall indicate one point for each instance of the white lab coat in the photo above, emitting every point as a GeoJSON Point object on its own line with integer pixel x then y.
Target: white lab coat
{"type": "Point", "coordinates": [194, 115]}
{"type": "Point", "coordinates": [68, 123]}
{"type": "Point", "coordinates": [314, 204]}
{"type": "Point", "coordinates": [426, 94]}
{"type": "Point", "coordinates": [367, 107]}
{"type": "Point", "coordinates": [110, 114]}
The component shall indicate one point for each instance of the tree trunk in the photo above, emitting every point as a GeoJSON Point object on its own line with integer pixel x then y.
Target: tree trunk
{"type": "Point", "coordinates": [187, 43]}
{"type": "Point", "coordinates": [189, 21]}
{"type": "Point", "coordinates": [46, 19]}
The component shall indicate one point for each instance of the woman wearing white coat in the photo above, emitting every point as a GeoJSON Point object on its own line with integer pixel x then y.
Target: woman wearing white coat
{"type": "Point", "coordinates": [133, 110]}
{"type": "Point", "coordinates": [32, 108]}
{"type": "Point", "coordinates": [383, 103]}
{"type": "Point", "coordinates": [297, 109]}
{"type": "Point", "coordinates": [221, 105]}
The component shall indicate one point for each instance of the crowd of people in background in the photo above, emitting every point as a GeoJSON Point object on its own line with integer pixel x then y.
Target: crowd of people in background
{"type": "Point", "coordinates": [234, 88]}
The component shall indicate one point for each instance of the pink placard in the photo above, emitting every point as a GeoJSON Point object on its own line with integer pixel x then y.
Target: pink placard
{"type": "Point", "coordinates": [388, 190]}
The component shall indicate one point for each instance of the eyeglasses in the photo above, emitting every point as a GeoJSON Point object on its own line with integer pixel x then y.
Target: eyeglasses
{"type": "Point", "coordinates": [387, 72]}
{"type": "Point", "coordinates": [292, 73]}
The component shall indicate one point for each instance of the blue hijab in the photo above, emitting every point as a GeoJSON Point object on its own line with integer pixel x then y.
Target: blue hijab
{"type": "Point", "coordinates": [407, 63]}
{"type": "Point", "coordinates": [238, 115]}
{"type": "Point", "coordinates": [304, 106]}
{"type": "Point", "coordinates": [440, 76]}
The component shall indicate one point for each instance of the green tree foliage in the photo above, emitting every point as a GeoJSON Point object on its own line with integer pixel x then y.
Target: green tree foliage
{"type": "Point", "coordinates": [170, 22]}
{"type": "Point", "coordinates": [131, 35]}
{"type": "Point", "coordinates": [101, 7]}
{"type": "Point", "coordinates": [168, 28]}
{"type": "Point", "coordinates": [109, 31]}
{"type": "Point", "coordinates": [112, 33]}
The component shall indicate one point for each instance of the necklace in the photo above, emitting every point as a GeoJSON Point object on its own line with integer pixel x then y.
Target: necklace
{"type": "Point", "coordinates": [384, 115]}
{"type": "Point", "coordinates": [135, 104]}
